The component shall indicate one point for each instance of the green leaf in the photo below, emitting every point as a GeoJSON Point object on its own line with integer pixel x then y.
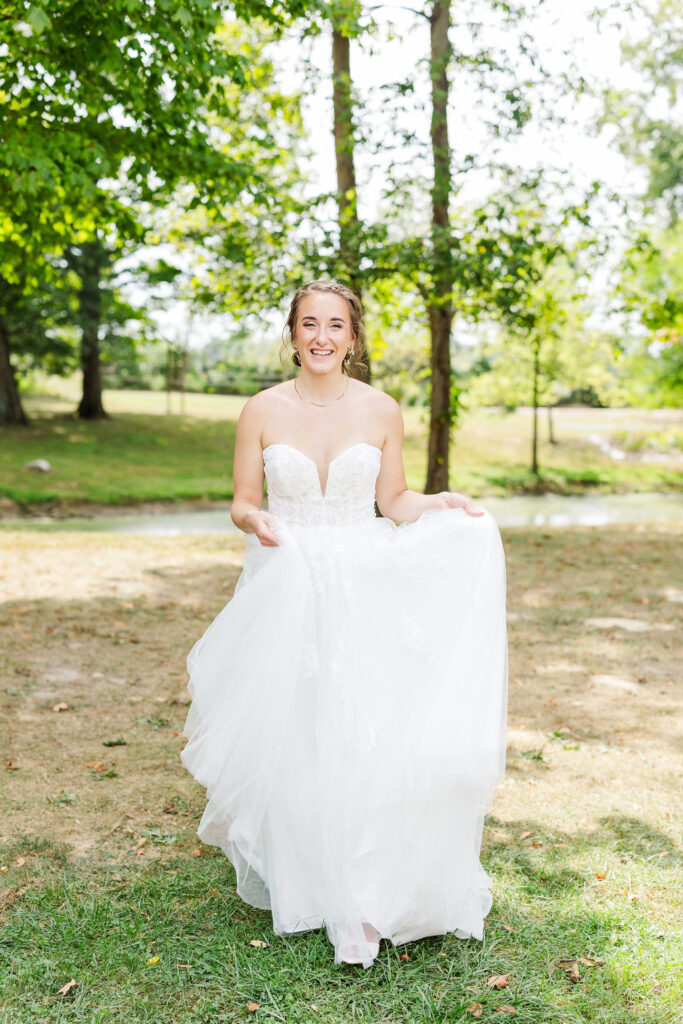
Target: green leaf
{"type": "Point", "coordinates": [38, 19]}
{"type": "Point", "coordinates": [183, 16]}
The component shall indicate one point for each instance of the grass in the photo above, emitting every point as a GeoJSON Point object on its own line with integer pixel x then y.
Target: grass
{"type": "Point", "coordinates": [142, 455]}
{"type": "Point", "coordinates": [105, 925]}
{"type": "Point", "coordinates": [98, 837]}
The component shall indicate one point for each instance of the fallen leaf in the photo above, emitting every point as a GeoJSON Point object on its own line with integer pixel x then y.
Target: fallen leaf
{"type": "Point", "coordinates": [525, 835]}
{"type": "Point", "coordinates": [20, 861]}
{"type": "Point", "coordinates": [314, 1008]}
{"type": "Point", "coordinates": [591, 961]}
{"type": "Point", "coordinates": [196, 853]}
{"type": "Point", "coordinates": [508, 927]}
{"type": "Point", "coordinates": [252, 1006]}
{"type": "Point", "coordinates": [257, 942]}
{"type": "Point", "coordinates": [187, 967]}
{"type": "Point", "coordinates": [572, 966]}
{"type": "Point", "coordinates": [62, 706]}
{"type": "Point", "coordinates": [67, 988]}
{"type": "Point", "coordinates": [600, 877]}
{"type": "Point", "coordinates": [11, 767]}
{"type": "Point", "coordinates": [505, 1009]}
{"type": "Point", "coordinates": [475, 1009]}
{"type": "Point", "coordinates": [153, 960]}
{"type": "Point", "coordinates": [94, 764]}
{"type": "Point", "coordinates": [404, 956]}
{"type": "Point", "coordinates": [498, 981]}
{"type": "Point", "coordinates": [614, 939]}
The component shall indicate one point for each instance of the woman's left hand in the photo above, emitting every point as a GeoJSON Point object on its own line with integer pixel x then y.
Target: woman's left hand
{"type": "Point", "coordinates": [451, 499]}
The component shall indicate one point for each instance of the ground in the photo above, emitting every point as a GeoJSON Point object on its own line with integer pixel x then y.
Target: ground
{"type": "Point", "coordinates": [99, 817]}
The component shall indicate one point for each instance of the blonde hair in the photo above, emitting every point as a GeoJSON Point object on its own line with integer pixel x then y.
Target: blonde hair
{"type": "Point", "coordinates": [354, 365]}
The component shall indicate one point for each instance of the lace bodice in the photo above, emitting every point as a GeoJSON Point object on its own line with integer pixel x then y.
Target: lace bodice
{"type": "Point", "coordinates": [295, 494]}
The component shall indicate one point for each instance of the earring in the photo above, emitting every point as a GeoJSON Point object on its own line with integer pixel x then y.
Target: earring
{"type": "Point", "coordinates": [296, 358]}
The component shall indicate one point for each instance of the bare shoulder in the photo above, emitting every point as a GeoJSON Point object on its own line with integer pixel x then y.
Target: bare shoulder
{"type": "Point", "coordinates": [382, 405]}
{"type": "Point", "coordinates": [378, 400]}
{"type": "Point", "coordinates": [264, 401]}
{"type": "Point", "coordinates": [258, 409]}
{"type": "Point", "coordinates": [382, 411]}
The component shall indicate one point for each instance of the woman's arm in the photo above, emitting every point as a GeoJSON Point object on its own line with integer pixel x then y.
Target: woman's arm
{"type": "Point", "coordinates": [248, 475]}
{"type": "Point", "coordinates": [394, 499]}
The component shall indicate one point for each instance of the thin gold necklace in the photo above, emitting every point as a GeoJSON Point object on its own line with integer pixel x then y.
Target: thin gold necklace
{"type": "Point", "coordinates": [322, 405]}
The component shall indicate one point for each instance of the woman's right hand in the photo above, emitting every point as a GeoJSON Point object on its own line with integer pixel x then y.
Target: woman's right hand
{"type": "Point", "coordinates": [261, 524]}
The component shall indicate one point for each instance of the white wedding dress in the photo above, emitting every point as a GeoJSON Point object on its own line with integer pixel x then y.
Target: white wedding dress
{"type": "Point", "coordinates": [348, 711]}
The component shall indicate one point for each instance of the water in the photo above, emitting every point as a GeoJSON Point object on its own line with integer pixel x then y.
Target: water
{"type": "Point", "coordinates": [516, 510]}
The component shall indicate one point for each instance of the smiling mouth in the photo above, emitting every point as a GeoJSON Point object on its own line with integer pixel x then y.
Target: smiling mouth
{"type": "Point", "coordinates": [321, 352]}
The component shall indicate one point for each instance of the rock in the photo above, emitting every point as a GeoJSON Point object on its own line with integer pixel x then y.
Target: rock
{"type": "Point", "coordinates": [38, 466]}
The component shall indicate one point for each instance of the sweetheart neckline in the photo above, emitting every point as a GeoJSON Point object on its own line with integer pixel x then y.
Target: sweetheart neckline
{"type": "Point", "coordinates": [358, 444]}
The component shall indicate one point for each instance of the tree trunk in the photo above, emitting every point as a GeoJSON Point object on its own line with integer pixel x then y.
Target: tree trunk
{"type": "Point", "coordinates": [344, 147]}
{"type": "Point", "coordinates": [89, 265]}
{"type": "Point", "coordinates": [440, 307]}
{"type": "Point", "coordinates": [551, 431]}
{"type": "Point", "coordinates": [11, 409]}
{"type": "Point", "coordinates": [534, 442]}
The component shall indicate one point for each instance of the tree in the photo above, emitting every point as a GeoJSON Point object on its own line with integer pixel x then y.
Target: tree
{"type": "Point", "coordinates": [106, 109]}
{"type": "Point", "coordinates": [532, 289]}
{"type": "Point", "coordinates": [496, 71]}
{"type": "Point", "coordinates": [647, 116]}
{"type": "Point", "coordinates": [440, 301]}
{"type": "Point", "coordinates": [344, 27]}
{"type": "Point", "coordinates": [651, 291]}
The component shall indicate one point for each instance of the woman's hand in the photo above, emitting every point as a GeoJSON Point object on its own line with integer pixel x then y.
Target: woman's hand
{"type": "Point", "coordinates": [261, 524]}
{"type": "Point", "coordinates": [451, 499]}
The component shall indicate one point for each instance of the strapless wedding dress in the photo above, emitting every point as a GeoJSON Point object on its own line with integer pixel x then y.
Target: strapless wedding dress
{"type": "Point", "coordinates": [348, 711]}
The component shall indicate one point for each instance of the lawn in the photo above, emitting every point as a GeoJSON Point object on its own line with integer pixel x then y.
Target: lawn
{"type": "Point", "coordinates": [143, 455]}
{"type": "Point", "coordinates": [104, 883]}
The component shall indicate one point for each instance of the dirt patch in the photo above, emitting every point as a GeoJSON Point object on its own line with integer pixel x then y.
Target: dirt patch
{"type": "Point", "coordinates": [95, 630]}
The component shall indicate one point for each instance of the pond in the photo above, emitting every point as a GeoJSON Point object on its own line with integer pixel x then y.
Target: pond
{"type": "Point", "coordinates": [515, 510]}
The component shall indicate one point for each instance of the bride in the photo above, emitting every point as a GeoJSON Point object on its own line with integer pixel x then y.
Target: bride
{"type": "Point", "coordinates": [348, 711]}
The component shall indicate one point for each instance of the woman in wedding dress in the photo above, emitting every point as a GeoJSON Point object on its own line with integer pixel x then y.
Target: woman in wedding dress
{"type": "Point", "coordinates": [348, 704]}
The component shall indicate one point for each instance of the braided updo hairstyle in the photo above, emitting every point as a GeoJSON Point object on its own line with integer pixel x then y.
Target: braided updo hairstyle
{"type": "Point", "coordinates": [353, 365]}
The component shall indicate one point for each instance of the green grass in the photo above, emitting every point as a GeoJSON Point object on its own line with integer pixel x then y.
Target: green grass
{"type": "Point", "coordinates": [140, 454]}
{"type": "Point", "coordinates": [102, 924]}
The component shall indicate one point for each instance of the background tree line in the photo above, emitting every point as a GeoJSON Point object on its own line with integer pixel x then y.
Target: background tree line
{"type": "Point", "coordinates": [152, 155]}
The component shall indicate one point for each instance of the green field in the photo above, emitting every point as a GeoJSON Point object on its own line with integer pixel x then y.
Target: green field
{"type": "Point", "coordinates": [141, 454]}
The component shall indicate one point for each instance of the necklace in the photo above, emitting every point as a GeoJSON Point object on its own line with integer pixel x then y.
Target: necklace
{"type": "Point", "coordinates": [321, 404]}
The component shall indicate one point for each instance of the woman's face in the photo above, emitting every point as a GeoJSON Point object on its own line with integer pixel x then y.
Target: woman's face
{"type": "Point", "coordinates": [323, 332]}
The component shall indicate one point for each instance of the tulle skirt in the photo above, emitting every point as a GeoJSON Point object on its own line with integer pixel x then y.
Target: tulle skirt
{"type": "Point", "coordinates": [348, 723]}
